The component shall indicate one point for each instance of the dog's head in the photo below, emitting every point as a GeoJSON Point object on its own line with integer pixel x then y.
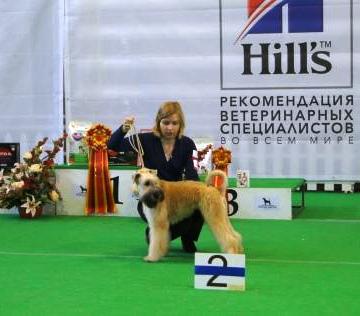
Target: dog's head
{"type": "Point", "coordinates": [143, 180]}
{"type": "Point", "coordinates": [146, 186]}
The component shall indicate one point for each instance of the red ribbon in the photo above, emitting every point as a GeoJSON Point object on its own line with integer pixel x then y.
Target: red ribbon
{"type": "Point", "coordinates": [221, 158]}
{"type": "Point", "coordinates": [99, 196]}
{"type": "Point", "coordinates": [217, 181]}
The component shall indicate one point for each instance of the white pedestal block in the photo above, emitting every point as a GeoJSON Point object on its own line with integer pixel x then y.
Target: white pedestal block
{"type": "Point", "coordinates": [249, 203]}
{"type": "Point", "coordinates": [72, 185]}
{"type": "Point", "coordinates": [260, 203]}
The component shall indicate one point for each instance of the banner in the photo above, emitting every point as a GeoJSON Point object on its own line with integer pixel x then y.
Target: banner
{"type": "Point", "coordinates": [31, 71]}
{"type": "Point", "coordinates": [276, 82]}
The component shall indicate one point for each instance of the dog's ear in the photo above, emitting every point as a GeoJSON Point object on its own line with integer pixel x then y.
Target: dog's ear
{"type": "Point", "coordinates": [136, 178]}
{"type": "Point", "coordinates": [152, 197]}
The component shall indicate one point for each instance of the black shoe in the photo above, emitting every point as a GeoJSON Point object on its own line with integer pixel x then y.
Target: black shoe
{"type": "Point", "coordinates": [147, 236]}
{"type": "Point", "coordinates": [188, 245]}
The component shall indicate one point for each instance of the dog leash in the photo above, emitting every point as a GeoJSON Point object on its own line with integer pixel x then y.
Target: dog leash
{"type": "Point", "coordinates": [135, 143]}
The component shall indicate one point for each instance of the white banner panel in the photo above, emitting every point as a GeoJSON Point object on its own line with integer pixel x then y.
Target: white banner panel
{"type": "Point", "coordinates": [247, 203]}
{"type": "Point", "coordinates": [260, 203]}
{"type": "Point", "coordinates": [277, 82]}
{"type": "Point", "coordinates": [72, 185]}
{"type": "Point", "coordinates": [31, 67]}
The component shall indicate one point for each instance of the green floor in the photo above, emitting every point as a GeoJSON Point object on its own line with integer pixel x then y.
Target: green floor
{"type": "Point", "coordinates": [93, 266]}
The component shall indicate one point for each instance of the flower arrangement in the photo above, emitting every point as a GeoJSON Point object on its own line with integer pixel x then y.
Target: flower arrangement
{"type": "Point", "coordinates": [31, 183]}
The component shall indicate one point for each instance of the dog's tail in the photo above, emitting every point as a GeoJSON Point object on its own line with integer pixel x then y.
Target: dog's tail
{"type": "Point", "coordinates": [217, 179]}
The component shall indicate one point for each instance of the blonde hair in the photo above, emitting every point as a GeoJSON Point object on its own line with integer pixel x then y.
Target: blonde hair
{"type": "Point", "coordinates": [166, 109]}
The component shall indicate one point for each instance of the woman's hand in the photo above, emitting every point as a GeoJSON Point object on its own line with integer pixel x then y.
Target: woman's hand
{"type": "Point", "coordinates": [128, 122]}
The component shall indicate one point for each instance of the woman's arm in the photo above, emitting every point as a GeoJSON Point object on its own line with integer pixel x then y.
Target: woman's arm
{"type": "Point", "coordinates": [190, 172]}
{"type": "Point", "coordinates": [118, 142]}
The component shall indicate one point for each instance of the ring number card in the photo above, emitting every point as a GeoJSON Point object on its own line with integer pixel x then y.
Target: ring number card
{"type": "Point", "coordinates": [219, 271]}
{"type": "Point", "coordinates": [9, 155]}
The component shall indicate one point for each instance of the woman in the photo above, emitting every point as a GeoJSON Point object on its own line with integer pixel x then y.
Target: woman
{"type": "Point", "coordinates": [168, 151]}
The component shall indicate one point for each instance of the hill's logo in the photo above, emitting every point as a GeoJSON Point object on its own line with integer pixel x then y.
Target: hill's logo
{"type": "Point", "coordinates": [269, 16]}
{"type": "Point", "coordinates": [295, 40]}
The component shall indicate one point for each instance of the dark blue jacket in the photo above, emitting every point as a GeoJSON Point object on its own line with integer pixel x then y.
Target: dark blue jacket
{"type": "Point", "coordinates": [179, 167]}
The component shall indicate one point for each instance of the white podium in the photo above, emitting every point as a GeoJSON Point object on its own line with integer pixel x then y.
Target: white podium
{"type": "Point", "coordinates": [250, 203]}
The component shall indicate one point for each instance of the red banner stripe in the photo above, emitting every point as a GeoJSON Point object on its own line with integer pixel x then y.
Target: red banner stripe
{"type": "Point", "coordinates": [99, 197]}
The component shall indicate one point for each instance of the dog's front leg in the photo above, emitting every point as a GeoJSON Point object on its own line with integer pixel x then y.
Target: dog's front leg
{"type": "Point", "coordinates": [159, 236]}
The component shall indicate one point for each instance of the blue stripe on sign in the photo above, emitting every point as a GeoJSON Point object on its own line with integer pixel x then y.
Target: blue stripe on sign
{"type": "Point", "coordinates": [213, 270]}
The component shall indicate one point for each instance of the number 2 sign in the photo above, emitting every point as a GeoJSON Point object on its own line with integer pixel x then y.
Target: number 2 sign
{"type": "Point", "coordinates": [215, 271]}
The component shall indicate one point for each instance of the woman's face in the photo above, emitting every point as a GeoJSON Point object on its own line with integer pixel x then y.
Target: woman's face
{"type": "Point", "coordinates": [170, 127]}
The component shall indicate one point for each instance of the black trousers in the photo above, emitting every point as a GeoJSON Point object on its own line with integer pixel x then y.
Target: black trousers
{"type": "Point", "coordinates": [189, 228]}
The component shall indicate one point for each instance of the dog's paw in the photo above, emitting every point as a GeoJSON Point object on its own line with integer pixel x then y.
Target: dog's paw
{"type": "Point", "coordinates": [151, 259]}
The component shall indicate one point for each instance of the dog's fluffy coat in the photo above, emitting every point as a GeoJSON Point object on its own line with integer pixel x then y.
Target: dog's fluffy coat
{"type": "Point", "coordinates": [167, 203]}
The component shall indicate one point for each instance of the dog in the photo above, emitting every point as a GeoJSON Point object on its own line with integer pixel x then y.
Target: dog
{"type": "Point", "coordinates": [166, 203]}
{"type": "Point", "coordinates": [83, 189]}
{"type": "Point", "coordinates": [266, 202]}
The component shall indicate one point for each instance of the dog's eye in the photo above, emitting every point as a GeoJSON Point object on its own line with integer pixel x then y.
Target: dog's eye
{"type": "Point", "coordinates": [147, 183]}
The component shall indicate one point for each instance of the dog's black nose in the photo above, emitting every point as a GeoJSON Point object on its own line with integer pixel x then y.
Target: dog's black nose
{"type": "Point", "coordinates": [152, 197]}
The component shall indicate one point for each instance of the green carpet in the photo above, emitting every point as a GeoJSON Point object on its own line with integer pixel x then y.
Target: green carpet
{"type": "Point", "coordinates": [331, 205]}
{"type": "Point", "coordinates": [93, 266]}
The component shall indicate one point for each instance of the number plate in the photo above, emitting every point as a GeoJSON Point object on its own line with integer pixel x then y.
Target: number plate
{"type": "Point", "coordinates": [219, 271]}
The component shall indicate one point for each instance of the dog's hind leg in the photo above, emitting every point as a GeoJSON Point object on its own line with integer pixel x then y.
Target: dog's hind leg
{"type": "Point", "coordinates": [215, 215]}
{"type": "Point", "coordinates": [159, 236]}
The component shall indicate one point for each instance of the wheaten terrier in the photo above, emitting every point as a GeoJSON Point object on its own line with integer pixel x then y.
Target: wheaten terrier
{"type": "Point", "coordinates": [167, 203]}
